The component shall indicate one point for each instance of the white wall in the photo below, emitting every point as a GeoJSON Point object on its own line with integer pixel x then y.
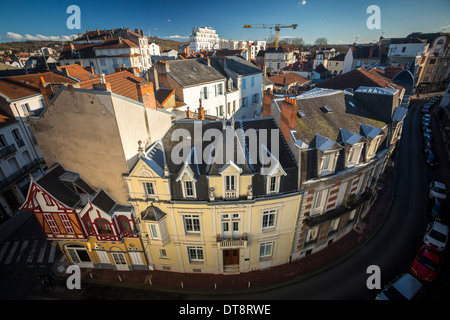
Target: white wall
{"type": "Point", "coordinates": [411, 49]}
{"type": "Point", "coordinates": [192, 95]}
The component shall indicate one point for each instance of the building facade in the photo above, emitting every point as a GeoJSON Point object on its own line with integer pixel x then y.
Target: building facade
{"type": "Point", "coordinates": [276, 59]}
{"type": "Point", "coordinates": [204, 39]}
{"type": "Point", "coordinates": [224, 217]}
{"type": "Point", "coordinates": [91, 229]}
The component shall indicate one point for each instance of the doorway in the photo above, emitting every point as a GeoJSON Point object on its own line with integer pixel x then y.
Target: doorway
{"type": "Point", "coordinates": [230, 257]}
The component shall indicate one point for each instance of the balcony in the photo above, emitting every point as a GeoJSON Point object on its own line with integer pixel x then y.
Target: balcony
{"type": "Point", "coordinates": [231, 195]}
{"type": "Point", "coordinates": [20, 174]}
{"type": "Point", "coordinates": [232, 243]}
{"type": "Point", "coordinates": [6, 151]}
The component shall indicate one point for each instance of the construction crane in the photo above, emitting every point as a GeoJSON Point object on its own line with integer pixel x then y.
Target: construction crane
{"type": "Point", "coordinates": [277, 28]}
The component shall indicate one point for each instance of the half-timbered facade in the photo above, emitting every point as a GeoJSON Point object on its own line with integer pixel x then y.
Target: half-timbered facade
{"type": "Point", "coordinates": [91, 229]}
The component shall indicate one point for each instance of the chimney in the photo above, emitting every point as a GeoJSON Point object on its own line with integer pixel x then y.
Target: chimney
{"type": "Point", "coordinates": [72, 47]}
{"type": "Point", "coordinates": [140, 149]}
{"type": "Point", "coordinates": [102, 85]}
{"type": "Point", "coordinates": [146, 94]}
{"type": "Point", "coordinates": [90, 69]}
{"type": "Point", "coordinates": [208, 61]}
{"type": "Point", "coordinates": [267, 103]}
{"type": "Point", "coordinates": [98, 32]}
{"type": "Point", "coordinates": [46, 91]}
{"type": "Point", "coordinates": [288, 117]}
{"type": "Point", "coordinates": [136, 30]}
{"type": "Point", "coordinates": [142, 32]}
{"type": "Point", "coordinates": [371, 52]}
{"type": "Point", "coordinates": [155, 79]}
{"type": "Point", "coordinates": [201, 111]}
{"type": "Point", "coordinates": [188, 113]}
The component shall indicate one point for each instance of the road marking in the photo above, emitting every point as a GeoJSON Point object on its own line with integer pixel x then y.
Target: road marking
{"type": "Point", "coordinates": [2, 253]}
{"type": "Point", "coordinates": [11, 253]}
{"type": "Point", "coordinates": [52, 253]}
{"type": "Point", "coordinates": [24, 245]}
{"type": "Point", "coordinates": [32, 251]}
{"type": "Point", "coordinates": [42, 252]}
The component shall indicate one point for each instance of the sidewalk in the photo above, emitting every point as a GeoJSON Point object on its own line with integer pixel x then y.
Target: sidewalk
{"type": "Point", "coordinates": [255, 280]}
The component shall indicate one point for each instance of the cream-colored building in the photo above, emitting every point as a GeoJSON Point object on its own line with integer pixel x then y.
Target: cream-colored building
{"type": "Point", "coordinates": [219, 217]}
{"type": "Point", "coordinates": [94, 128]}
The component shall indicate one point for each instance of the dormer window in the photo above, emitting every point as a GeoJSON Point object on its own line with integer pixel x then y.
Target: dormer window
{"type": "Point", "coordinates": [189, 189]}
{"type": "Point", "coordinates": [374, 144]}
{"type": "Point", "coordinates": [328, 163]}
{"type": "Point", "coordinates": [354, 155]}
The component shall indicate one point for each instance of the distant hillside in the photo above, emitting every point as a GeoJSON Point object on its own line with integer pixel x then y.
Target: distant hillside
{"type": "Point", "coordinates": [166, 44]}
{"type": "Point", "coordinates": [30, 46]}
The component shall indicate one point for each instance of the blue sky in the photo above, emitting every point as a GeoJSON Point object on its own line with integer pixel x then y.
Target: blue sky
{"type": "Point", "coordinates": [339, 21]}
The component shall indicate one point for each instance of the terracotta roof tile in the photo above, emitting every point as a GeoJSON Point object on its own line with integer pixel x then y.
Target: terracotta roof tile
{"type": "Point", "coordinates": [122, 83]}
{"type": "Point", "coordinates": [77, 71]}
{"type": "Point", "coordinates": [28, 85]}
{"type": "Point", "coordinates": [288, 78]}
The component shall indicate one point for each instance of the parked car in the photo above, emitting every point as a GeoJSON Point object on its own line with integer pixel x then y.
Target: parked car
{"type": "Point", "coordinates": [428, 132]}
{"type": "Point", "coordinates": [439, 210]}
{"type": "Point", "coordinates": [438, 190]}
{"type": "Point", "coordinates": [432, 158]}
{"type": "Point", "coordinates": [429, 140]}
{"type": "Point", "coordinates": [427, 264]}
{"type": "Point", "coordinates": [428, 147]}
{"type": "Point", "coordinates": [426, 109]}
{"type": "Point", "coordinates": [436, 235]}
{"type": "Point", "coordinates": [404, 287]}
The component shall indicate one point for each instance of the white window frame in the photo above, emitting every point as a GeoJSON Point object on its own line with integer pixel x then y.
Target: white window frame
{"type": "Point", "coordinates": [193, 254]}
{"type": "Point", "coordinates": [311, 235]}
{"type": "Point", "coordinates": [269, 219]}
{"type": "Point", "coordinates": [188, 220]}
{"type": "Point", "coordinates": [266, 249]}
{"type": "Point", "coordinates": [66, 223]}
{"type": "Point", "coordinates": [330, 164]}
{"type": "Point", "coordinates": [185, 188]}
{"type": "Point", "coordinates": [354, 155]}
{"type": "Point", "coordinates": [147, 189]}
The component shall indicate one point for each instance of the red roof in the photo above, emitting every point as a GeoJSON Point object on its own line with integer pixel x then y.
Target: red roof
{"type": "Point", "coordinates": [122, 83]}
{"type": "Point", "coordinates": [17, 87]}
{"type": "Point", "coordinates": [77, 71]}
{"type": "Point", "coordinates": [287, 79]}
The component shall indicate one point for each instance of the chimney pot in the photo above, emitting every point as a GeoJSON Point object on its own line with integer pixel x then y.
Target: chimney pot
{"type": "Point", "coordinates": [146, 94]}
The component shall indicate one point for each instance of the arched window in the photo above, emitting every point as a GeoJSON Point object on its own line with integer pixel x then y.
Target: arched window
{"type": "Point", "coordinates": [124, 224]}
{"type": "Point", "coordinates": [103, 226]}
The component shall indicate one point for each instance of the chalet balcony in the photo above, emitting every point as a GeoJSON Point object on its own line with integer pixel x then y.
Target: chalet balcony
{"type": "Point", "coordinates": [8, 150]}
{"type": "Point", "coordinates": [232, 243]}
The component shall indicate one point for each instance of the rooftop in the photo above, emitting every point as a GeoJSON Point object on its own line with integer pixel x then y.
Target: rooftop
{"type": "Point", "coordinates": [192, 72]}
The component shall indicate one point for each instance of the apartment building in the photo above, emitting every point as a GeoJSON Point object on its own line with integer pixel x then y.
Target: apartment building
{"type": "Point", "coordinates": [204, 39]}
{"type": "Point", "coordinates": [227, 216]}
{"type": "Point", "coordinates": [342, 149]}
{"type": "Point", "coordinates": [276, 59]}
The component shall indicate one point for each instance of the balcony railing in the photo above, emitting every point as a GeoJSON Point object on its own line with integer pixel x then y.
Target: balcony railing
{"type": "Point", "coordinates": [6, 151]}
{"type": "Point", "coordinates": [240, 242]}
{"type": "Point", "coordinates": [231, 195]}
{"type": "Point", "coordinates": [22, 172]}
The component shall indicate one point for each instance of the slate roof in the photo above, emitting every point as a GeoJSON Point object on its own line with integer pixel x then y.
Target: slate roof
{"type": "Point", "coordinates": [339, 57]}
{"type": "Point", "coordinates": [152, 213]}
{"type": "Point", "coordinates": [192, 72]}
{"type": "Point", "coordinates": [103, 201]}
{"type": "Point", "coordinates": [61, 191]}
{"type": "Point", "coordinates": [86, 50]}
{"type": "Point", "coordinates": [346, 113]}
{"type": "Point", "coordinates": [240, 66]}
{"type": "Point", "coordinates": [207, 167]}
{"type": "Point", "coordinates": [357, 78]}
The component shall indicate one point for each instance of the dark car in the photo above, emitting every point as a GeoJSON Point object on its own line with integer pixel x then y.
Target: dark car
{"type": "Point", "coordinates": [426, 110]}
{"type": "Point", "coordinates": [439, 210]}
{"type": "Point", "coordinates": [429, 140]}
{"type": "Point", "coordinates": [432, 159]}
{"type": "Point", "coordinates": [428, 147]}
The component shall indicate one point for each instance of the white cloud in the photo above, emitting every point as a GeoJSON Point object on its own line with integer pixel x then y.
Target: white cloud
{"type": "Point", "coordinates": [168, 20]}
{"type": "Point", "coordinates": [176, 36]}
{"type": "Point", "coordinates": [11, 36]}
{"type": "Point", "coordinates": [302, 3]}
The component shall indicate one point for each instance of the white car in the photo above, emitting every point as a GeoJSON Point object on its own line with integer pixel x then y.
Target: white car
{"type": "Point", "coordinates": [405, 287]}
{"type": "Point", "coordinates": [436, 235]}
{"type": "Point", "coordinates": [438, 190]}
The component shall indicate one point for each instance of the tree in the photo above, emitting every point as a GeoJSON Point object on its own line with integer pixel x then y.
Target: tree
{"type": "Point", "coordinates": [321, 42]}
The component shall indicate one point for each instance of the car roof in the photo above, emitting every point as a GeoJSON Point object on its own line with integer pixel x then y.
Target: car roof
{"type": "Point", "coordinates": [408, 285]}
{"type": "Point", "coordinates": [439, 184]}
{"type": "Point", "coordinates": [442, 228]}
